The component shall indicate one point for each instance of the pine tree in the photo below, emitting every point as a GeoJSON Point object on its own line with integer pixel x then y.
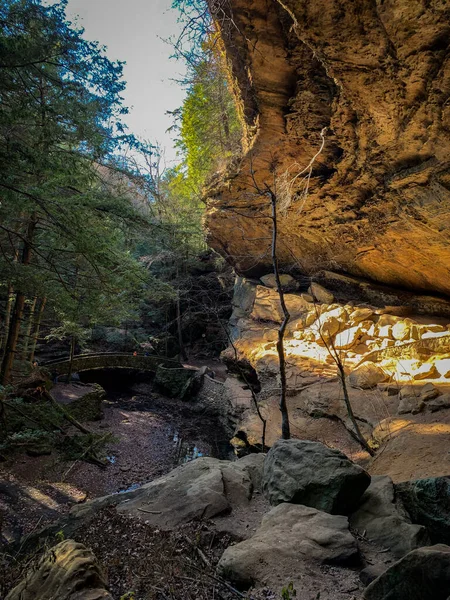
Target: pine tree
{"type": "Point", "coordinates": [62, 218]}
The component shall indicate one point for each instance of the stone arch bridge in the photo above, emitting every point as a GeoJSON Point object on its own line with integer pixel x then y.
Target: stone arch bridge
{"type": "Point", "coordinates": [108, 360]}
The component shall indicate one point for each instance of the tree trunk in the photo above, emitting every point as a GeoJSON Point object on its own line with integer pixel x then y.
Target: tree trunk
{"type": "Point", "coordinates": [17, 314]}
{"type": "Point", "coordinates": [9, 305]}
{"type": "Point", "coordinates": [73, 342]}
{"type": "Point", "coordinates": [285, 428]}
{"type": "Point", "coordinates": [180, 333]}
{"type": "Point", "coordinates": [37, 327]}
{"type": "Point", "coordinates": [359, 436]}
{"type": "Point", "coordinates": [29, 329]}
{"type": "Point", "coordinates": [11, 342]}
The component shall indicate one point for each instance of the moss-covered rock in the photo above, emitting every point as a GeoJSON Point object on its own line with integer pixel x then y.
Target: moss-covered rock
{"type": "Point", "coordinates": [84, 402]}
{"type": "Point", "coordinates": [173, 382]}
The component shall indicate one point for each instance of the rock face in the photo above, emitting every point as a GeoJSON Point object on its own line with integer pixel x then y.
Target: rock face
{"type": "Point", "coordinates": [383, 522]}
{"type": "Point", "coordinates": [423, 574]}
{"type": "Point", "coordinates": [369, 80]}
{"type": "Point", "coordinates": [428, 503]}
{"type": "Point", "coordinates": [294, 532]}
{"type": "Point", "coordinates": [69, 571]}
{"type": "Point", "coordinates": [309, 473]}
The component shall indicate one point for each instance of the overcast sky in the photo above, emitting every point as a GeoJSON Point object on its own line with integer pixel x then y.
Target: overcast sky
{"type": "Point", "coordinates": [132, 31]}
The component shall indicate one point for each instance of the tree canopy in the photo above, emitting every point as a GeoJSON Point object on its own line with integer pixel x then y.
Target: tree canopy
{"type": "Point", "coordinates": [87, 232]}
{"type": "Point", "coordinates": [63, 222]}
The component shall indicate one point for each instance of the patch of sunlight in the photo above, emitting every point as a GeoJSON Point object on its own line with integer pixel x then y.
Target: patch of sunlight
{"type": "Point", "coordinates": [69, 490]}
{"type": "Point", "coordinates": [293, 349]}
{"type": "Point", "coordinates": [40, 497]}
{"type": "Point", "coordinates": [392, 427]}
{"type": "Point", "coordinates": [358, 455]}
{"type": "Point", "coordinates": [417, 371]}
{"type": "Point", "coordinates": [432, 428]}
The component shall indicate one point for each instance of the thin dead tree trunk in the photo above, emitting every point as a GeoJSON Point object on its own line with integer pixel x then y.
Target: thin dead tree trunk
{"type": "Point", "coordinates": [179, 330]}
{"type": "Point", "coordinates": [285, 428]}
{"type": "Point", "coordinates": [9, 305]}
{"type": "Point", "coordinates": [8, 309]}
{"type": "Point", "coordinates": [357, 434]}
{"type": "Point", "coordinates": [37, 326]}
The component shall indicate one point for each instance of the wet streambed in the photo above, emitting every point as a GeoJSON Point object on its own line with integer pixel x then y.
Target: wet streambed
{"type": "Point", "coordinates": [148, 435]}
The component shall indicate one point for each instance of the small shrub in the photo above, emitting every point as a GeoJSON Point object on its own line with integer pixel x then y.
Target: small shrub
{"type": "Point", "coordinates": [288, 592]}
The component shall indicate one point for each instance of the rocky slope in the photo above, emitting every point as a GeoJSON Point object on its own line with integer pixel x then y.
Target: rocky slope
{"type": "Point", "coordinates": [306, 522]}
{"type": "Point", "coordinates": [371, 80]}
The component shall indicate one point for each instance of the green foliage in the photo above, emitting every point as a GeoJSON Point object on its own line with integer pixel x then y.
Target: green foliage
{"type": "Point", "coordinates": [210, 131]}
{"type": "Point", "coordinates": [27, 437]}
{"type": "Point", "coordinates": [68, 329]}
{"type": "Point", "coordinates": [101, 240]}
{"type": "Point", "coordinates": [77, 447]}
{"type": "Point", "coordinates": [121, 340]}
{"type": "Point", "coordinates": [98, 334]}
{"type": "Point", "coordinates": [59, 535]}
{"type": "Point", "coordinates": [288, 592]}
{"type": "Point", "coordinates": [67, 210]}
{"type": "Point", "coordinates": [25, 417]}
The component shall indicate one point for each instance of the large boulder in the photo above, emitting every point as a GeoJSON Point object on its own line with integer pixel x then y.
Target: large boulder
{"type": "Point", "coordinates": [289, 535]}
{"type": "Point", "coordinates": [309, 473]}
{"type": "Point", "coordinates": [382, 521]}
{"type": "Point", "coordinates": [201, 489]}
{"type": "Point", "coordinates": [242, 303]}
{"type": "Point", "coordinates": [253, 464]}
{"type": "Point", "coordinates": [428, 503]}
{"type": "Point", "coordinates": [267, 306]}
{"type": "Point", "coordinates": [69, 571]}
{"type": "Point", "coordinates": [423, 574]}
{"type": "Point", "coordinates": [367, 376]}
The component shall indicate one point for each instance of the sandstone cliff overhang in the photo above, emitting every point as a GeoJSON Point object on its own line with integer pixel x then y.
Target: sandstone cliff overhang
{"type": "Point", "coordinates": [374, 79]}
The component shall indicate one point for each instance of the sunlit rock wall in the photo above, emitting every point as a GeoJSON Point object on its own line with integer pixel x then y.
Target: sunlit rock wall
{"type": "Point", "coordinates": [374, 345]}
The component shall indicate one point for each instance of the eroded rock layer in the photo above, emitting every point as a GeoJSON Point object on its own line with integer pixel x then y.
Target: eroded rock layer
{"type": "Point", "coordinates": [371, 80]}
